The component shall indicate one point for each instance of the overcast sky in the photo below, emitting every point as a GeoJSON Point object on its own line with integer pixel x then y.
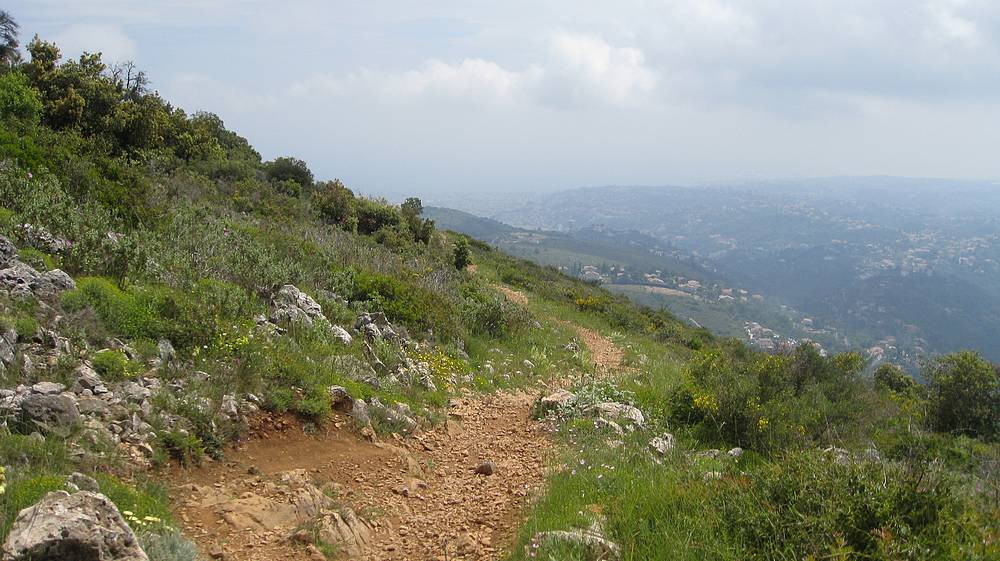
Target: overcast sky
{"type": "Point", "coordinates": [417, 97]}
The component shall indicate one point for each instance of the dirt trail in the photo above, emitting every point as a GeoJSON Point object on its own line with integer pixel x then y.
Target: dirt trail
{"type": "Point", "coordinates": [447, 511]}
{"type": "Point", "coordinates": [515, 296]}
{"type": "Point", "coordinates": [603, 351]}
{"type": "Point", "coordinates": [421, 497]}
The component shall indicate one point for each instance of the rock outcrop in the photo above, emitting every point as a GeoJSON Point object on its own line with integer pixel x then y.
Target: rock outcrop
{"type": "Point", "coordinates": [292, 306]}
{"type": "Point", "coordinates": [84, 526]}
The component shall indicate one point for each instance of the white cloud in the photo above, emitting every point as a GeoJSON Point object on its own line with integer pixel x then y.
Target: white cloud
{"type": "Point", "coordinates": [585, 70]}
{"type": "Point", "coordinates": [579, 70]}
{"type": "Point", "coordinates": [110, 40]}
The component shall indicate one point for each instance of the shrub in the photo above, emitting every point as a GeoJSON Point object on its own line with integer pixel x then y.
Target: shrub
{"type": "Point", "coordinates": [373, 215]}
{"type": "Point", "coordinates": [147, 501]}
{"type": "Point", "coordinates": [492, 315]}
{"type": "Point", "coordinates": [335, 204]}
{"type": "Point", "coordinates": [763, 401]}
{"type": "Point", "coordinates": [964, 392]}
{"type": "Point", "coordinates": [183, 447]}
{"type": "Point", "coordinates": [891, 377]}
{"type": "Point", "coordinates": [113, 365]}
{"type": "Point", "coordinates": [403, 301]}
{"type": "Point", "coordinates": [36, 259]}
{"type": "Point", "coordinates": [25, 326]}
{"type": "Point", "coordinates": [155, 312]}
{"type": "Point", "coordinates": [315, 405]}
{"type": "Point", "coordinates": [808, 505]}
{"type": "Point", "coordinates": [279, 400]}
{"type": "Point", "coordinates": [461, 256]}
{"type": "Point", "coordinates": [168, 545]}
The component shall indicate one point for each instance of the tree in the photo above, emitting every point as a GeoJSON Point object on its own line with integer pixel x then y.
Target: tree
{"type": "Point", "coordinates": [965, 395]}
{"type": "Point", "coordinates": [335, 203]}
{"type": "Point", "coordinates": [287, 168]}
{"type": "Point", "coordinates": [892, 378]}
{"type": "Point", "coordinates": [9, 55]}
{"type": "Point", "coordinates": [420, 229]}
{"type": "Point", "coordinates": [462, 256]}
{"type": "Point", "coordinates": [130, 81]}
{"type": "Point", "coordinates": [17, 99]}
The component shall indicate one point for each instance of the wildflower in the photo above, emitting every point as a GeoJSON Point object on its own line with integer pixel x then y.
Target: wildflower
{"type": "Point", "coordinates": [762, 423]}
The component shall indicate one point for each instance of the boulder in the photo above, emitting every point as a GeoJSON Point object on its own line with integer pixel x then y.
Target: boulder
{"type": "Point", "coordinates": [592, 541]}
{"type": "Point", "coordinates": [229, 408]}
{"type": "Point", "coordinates": [8, 252]}
{"type": "Point", "coordinates": [84, 482]}
{"type": "Point", "coordinates": [486, 468]}
{"type": "Point", "coordinates": [135, 392]}
{"type": "Point", "coordinates": [339, 397]}
{"type": "Point", "coordinates": [88, 379]}
{"type": "Point", "coordinates": [376, 326]}
{"type": "Point", "coordinates": [54, 413]}
{"type": "Point", "coordinates": [558, 399]}
{"type": "Point", "coordinates": [345, 530]}
{"type": "Point", "coordinates": [84, 526]}
{"type": "Point", "coordinates": [23, 281]}
{"type": "Point", "coordinates": [615, 411]}
{"type": "Point", "coordinates": [40, 238]}
{"type": "Point", "coordinates": [48, 388]}
{"type": "Point", "coordinates": [17, 278]}
{"type": "Point", "coordinates": [355, 369]}
{"type": "Point", "coordinates": [360, 414]}
{"type": "Point", "coordinates": [53, 282]}
{"type": "Point", "coordinates": [166, 351]}
{"type": "Point", "coordinates": [8, 347]}
{"type": "Point", "coordinates": [291, 305]}
{"type": "Point", "coordinates": [663, 444]}
{"type": "Point", "coordinates": [341, 334]}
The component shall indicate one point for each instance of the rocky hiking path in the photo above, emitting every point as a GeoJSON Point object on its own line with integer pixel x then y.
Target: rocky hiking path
{"type": "Point", "coordinates": [423, 496]}
{"type": "Point", "coordinates": [458, 490]}
{"type": "Point", "coordinates": [603, 351]}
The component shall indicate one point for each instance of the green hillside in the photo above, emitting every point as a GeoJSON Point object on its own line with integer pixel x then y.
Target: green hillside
{"type": "Point", "coordinates": [221, 296]}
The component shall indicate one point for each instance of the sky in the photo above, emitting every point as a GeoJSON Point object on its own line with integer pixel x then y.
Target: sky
{"type": "Point", "coordinates": [485, 97]}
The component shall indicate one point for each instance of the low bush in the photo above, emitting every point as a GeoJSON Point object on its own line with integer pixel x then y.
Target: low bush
{"type": "Point", "coordinates": [145, 505]}
{"type": "Point", "coordinates": [488, 313]}
{"type": "Point", "coordinates": [769, 401]}
{"type": "Point", "coordinates": [114, 365]}
{"type": "Point", "coordinates": [809, 505]}
{"type": "Point", "coordinates": [183, 447]}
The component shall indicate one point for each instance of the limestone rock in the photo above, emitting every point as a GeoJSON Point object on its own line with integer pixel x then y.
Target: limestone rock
{"type": "Point", "coordinates": [84, 526]}
{"type": "Point", "coordinates": [619, 412]}
{"type": "Point", "coordinates": [598, 547]}
{"type": "Point", "coordinates": [54, 413]}
{"type": "Point", "coordinates": [341, 334]}
{"type": "Point", "coordinates": [556, 400]}
{"type": "Point", "coordinates": [8, 252]}
{"type": "Point", "coordinates": [663, 444]}
{"type": "Point", "coordinates": [291, 305]}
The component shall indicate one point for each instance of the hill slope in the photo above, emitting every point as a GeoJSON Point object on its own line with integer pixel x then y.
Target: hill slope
{"type": "Point", "coordinates": [336, 379]}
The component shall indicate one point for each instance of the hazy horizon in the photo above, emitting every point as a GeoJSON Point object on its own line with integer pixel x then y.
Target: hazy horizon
{"type": "Point", "coordinates": [480, 98]}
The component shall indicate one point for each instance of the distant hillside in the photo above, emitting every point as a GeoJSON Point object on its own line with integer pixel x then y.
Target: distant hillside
{"type": "Point", "coordinates": [485, 229]}
{"type": "Point", "coordinates": [903, 267]}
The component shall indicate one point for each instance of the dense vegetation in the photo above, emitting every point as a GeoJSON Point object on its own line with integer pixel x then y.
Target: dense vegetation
{"type": "Point", "coordinates": [175, 229]}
